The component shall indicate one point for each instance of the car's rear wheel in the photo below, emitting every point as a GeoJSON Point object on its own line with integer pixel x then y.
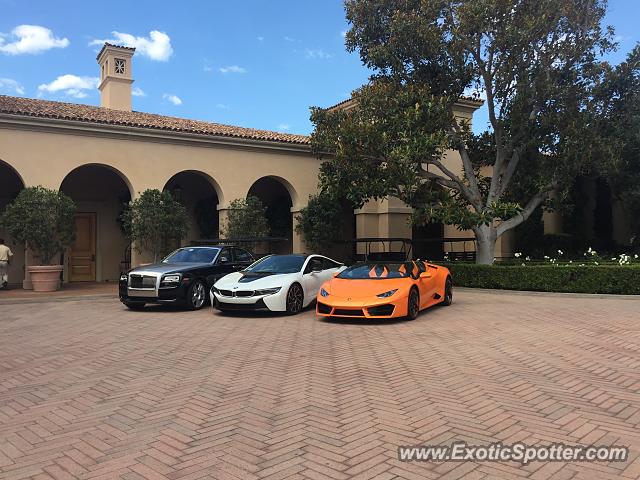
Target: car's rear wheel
{"type": "Point", "coordinates": [413, 306]}
{"type": "Point", "coordinates": [295, 298]}
{"type": "Point", "coordinates": [135, 305]}
{"type": "Point", "coordinates": [448, 292]}
{"type": "Point", "coordinates": [196, 295]}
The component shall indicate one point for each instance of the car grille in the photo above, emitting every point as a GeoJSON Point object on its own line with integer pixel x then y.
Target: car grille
{"type": "Point", "coordinates": [244, 293]}
{"type": "Point", "coordinates": [237, 293]}
{"type": "Point", "coordinates": [348, 312]}
{"type": "Point", "coordinates": [142, 281]}
{"type": "Point", "coordinates": [381, 310]}
{"type": "Point", "coordinates": [324, 308]}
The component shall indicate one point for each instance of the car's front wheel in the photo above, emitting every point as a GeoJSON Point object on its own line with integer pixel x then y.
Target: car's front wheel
{"type": "Point", "coordinates": [295, 298]}
{"type": "Point", "coordinates": [413, 306]}
{"type": "Point", "coordinates": [196, 295]}
{"type": "Point", "coordinates": [448, 292]}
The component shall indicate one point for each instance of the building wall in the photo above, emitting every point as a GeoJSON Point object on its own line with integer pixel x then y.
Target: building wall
{"type": "Point", "coordinates": [45, 157]}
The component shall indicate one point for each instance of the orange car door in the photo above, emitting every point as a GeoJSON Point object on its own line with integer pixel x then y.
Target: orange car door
{"type": "Point", "coordinates": [427, 286]}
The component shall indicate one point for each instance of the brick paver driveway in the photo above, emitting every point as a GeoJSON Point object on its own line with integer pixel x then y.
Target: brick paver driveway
{"type": "Point", "coordinates": [91, 390]}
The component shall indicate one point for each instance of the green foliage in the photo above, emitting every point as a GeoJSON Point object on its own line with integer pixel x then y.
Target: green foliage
{"type": "Point", "coordinates": [42, 219]}
{"type": "Point", "coordinates": [537, 63]}
{"type": "Point", "coordinates": [156, 222]}
{"type": "Point", "coordinates": [246, 219]}
{"type": "Point", "coordinates": [206, 211]}
{"type": "Point", "coordinates": [320, 222]}
{"type": "Point", "coordinates": [613, 279]}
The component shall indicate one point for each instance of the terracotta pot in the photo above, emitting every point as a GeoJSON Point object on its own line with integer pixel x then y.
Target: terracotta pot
{"type": "Point", "coordinates": [45, 278]}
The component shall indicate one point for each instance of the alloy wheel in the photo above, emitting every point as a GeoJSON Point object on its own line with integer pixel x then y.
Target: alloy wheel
{"type": "Point", "coordinates": [295, 298]}
{"type": "Point", "coordinates": [414, 304]}
{"type": "Point", "coordinates": [197, 295]}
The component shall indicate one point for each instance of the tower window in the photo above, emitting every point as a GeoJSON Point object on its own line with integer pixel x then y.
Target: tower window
{"type": "Point", "coordinates": [119, 66]}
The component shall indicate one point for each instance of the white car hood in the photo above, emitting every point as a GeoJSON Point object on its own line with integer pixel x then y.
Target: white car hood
{"type": "Point", "coordinates": [239, 281]}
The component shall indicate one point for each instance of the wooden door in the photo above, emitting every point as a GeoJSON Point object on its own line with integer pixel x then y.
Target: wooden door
{"type": "Point", "coordinates": [82, 257]}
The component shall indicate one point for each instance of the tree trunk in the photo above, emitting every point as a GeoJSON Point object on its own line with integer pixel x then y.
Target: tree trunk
{"type": "Point", "coordinates": [486, 237]}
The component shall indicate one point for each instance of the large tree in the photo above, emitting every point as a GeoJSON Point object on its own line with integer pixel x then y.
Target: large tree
{"type": "Point", "coordinates": [535, 62]}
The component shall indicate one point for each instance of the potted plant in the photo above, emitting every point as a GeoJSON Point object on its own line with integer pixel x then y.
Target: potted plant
{"type": "Point", "coordinates": [43, 220]}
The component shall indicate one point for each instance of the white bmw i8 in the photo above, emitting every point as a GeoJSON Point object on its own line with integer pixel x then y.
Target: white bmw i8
{"type": "Point", "coordinates": [280, 283]}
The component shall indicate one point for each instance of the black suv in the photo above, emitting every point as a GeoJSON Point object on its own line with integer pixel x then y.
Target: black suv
{"type": "Point", "coordinates": [184, 277]}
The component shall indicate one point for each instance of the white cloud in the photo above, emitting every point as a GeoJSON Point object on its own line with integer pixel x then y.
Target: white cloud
{"type": "Point", "coordinates": [222, 106]}
{"type": "Point", "coordinates": [289, 39]}
{"type": "Point", "coordinates": [284, 126]}
{"type": "Point", "coordinates": [70, 85]}
{"type": "Point", "coordinates": [233, 69]}
{"type": "Point", "coordinates": [157, 46]}
{"type": "Point", "coordinates": [138, 92]}
{"type": "Point", "coordinates": [172, 98]}
{"type": "Point", "coordinates": [11, 86]}
{"type": "Point", "coordinates": [30, 39]}
{"type": "Point", "coordinates": [260, 39]}
{"type": "Point", "coordinates": [316, 53]}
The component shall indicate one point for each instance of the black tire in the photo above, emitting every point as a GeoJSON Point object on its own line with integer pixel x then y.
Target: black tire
{"type": "Point", "coordinates": [447, 299]}
{"type": "Point", "coordinates": [196, 296]}
{"type": "Point", "coordinates": [295, 299]}
{"type": "Point", "coordinates": [413, 304]}
{"type": "Point", "coordinates": [135, 305]}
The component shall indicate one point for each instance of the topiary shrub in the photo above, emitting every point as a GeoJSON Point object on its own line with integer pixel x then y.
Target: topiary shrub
{"type": "Point", "coordinates": [155, 221]}
{"type": "Point", "coordinates": [43, 220]}
{"type": "Point", "coordinates": [320, 222]}
{"type": "Point", "coordinates": [246, 218]}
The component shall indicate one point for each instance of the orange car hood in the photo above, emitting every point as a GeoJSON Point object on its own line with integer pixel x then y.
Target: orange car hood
{"type": "Point", "coordinates": [340, 287]}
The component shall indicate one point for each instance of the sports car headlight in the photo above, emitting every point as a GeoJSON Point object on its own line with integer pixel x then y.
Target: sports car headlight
{"type": "Point", "coordinates": [324, 293]}
{"type": "Point", "coordinates": [268, 291]}
{"type": "Point", "coordinates": [387, 294]}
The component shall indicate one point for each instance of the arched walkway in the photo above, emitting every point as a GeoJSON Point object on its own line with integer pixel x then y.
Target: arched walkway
{"type": "Point", "coordinates": [200, 194]}
{"type": "Point", "coordinates": [10, 185]}
{"type": "Point", "coordinates": [278, 196]}
{"type": "Point", "coordinates": [101, 194]}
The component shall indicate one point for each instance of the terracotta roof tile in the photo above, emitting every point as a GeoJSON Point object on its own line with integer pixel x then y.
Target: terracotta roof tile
{"type": "Point", "coordinates": [88, 113]}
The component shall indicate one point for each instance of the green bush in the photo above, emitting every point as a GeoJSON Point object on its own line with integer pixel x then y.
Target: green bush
{"type": "Point", "coordinates": [246, 219]}
{"type": "Point", "coordinates": [550, 278]}
{"type": "Point", "coordinates": [43, 220]}
{"type": "Point", "coordinates": [320, 222]}
{"type": "Point", "coordinates": [156, 222]}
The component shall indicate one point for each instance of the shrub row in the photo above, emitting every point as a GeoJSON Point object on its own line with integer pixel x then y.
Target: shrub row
{"type": "Point", "coordinates": [550, 278]}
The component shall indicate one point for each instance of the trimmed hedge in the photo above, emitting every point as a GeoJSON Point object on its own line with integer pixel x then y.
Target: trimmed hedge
{"type": "Point", "coordinates": [549, 278]}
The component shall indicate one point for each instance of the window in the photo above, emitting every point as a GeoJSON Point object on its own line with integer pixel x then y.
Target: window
{"type": "Point", "coordinates": [193, 255]}
{"type": "Point", "coordinates": [243, 256]}
{"type": "Point", "coordinates": [328, 264]}
{"type": "Point", "coordinates": [314, 263]}
{"type": "Point", "coordinates": [120, 66]}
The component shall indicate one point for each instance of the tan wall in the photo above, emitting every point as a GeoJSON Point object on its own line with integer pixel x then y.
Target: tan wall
{"type": "Point", "coordinates": [46, 158]}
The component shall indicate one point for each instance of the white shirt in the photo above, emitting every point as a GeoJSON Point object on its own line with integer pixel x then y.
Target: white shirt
{"type": "Point", "coordinates": [5, 253]}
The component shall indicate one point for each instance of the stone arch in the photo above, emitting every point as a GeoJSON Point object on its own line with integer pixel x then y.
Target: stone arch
{"type": "Point", "coordinates": [279, 198]}
{"type": "Point", "coordinates": [101, 250]}
{"type": "Point", "coordinates": [201, 195]}
{"type": "Point", "coordinates": [11, 183]}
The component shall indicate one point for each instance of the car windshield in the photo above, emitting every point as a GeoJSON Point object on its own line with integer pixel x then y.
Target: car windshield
{"type": "Point", "coordinates": [377, 271]}
{"type": "Point", "coordinates": [193, 255]}
{"type": "Point", "coordinates": [278, 264]}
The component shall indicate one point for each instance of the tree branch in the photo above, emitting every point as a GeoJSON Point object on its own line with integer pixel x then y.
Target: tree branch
{"type": "Point", "coordinates": [526, 212]}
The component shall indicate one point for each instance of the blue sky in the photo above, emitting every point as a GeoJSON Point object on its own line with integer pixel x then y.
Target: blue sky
{"type": "Point", "coordinates": [252, 63]}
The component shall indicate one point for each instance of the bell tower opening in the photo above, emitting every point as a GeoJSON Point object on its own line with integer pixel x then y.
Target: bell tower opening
{"type": "Point", "coordinates": [115, 76]}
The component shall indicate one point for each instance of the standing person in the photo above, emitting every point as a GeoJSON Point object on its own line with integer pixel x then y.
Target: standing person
{"type": "Point", "coordinates": [5, 257]}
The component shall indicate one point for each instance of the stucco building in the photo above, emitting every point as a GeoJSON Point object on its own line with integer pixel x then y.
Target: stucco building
{"type": "Point", "coordinates": [104, 156]}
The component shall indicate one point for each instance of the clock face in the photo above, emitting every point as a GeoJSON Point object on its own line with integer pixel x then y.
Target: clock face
{"type": "Point", "coordinates": [119, 66]}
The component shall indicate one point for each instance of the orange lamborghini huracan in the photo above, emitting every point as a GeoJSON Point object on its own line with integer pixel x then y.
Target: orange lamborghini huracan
{"type": "Point", "coordinates": [385, 290]}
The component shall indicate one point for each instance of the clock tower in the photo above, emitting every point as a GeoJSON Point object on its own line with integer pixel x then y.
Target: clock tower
{"type": "Point", "coordinates": [115, 76]}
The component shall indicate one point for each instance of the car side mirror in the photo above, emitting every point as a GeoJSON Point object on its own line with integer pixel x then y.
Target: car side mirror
{"type": "Point", "coordinates": [425, 275]}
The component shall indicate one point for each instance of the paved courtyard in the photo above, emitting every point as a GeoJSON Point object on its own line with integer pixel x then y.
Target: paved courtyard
{"type": "Point", "coordinates": [91, 390]}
